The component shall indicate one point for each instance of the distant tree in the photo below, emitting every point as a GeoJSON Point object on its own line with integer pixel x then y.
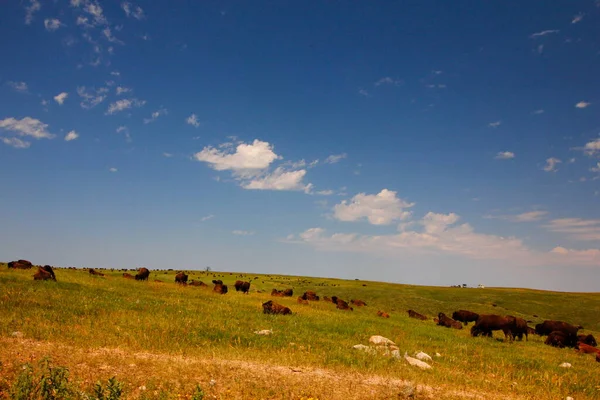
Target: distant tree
{"type": "Point", "coordinates": [208, 269]}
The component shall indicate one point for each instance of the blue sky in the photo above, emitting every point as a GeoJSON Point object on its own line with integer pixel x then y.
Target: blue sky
{"type": "Point", "coordinates": [426, 142]}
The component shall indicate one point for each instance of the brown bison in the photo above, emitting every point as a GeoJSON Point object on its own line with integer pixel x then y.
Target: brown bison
{"type": "Point", "coordinates": [341, 304]}
{"type": "Point", "coordinates": [416, 315]}
{"type": "Point", "coordinates": [181, 278]}
{"type": "Point", "coordinates": [587, 349]}
{"type": "Point", "coordinates": [590, 340]}
{"type": "Point", "coordinates": [242, 286]}
{"type": "Point", "coordinates": [560, 339]}
{"type": "Point", "coordinates": [197, 283]}
{"type": "Point", "coordinates": [518, 327]}
{"type": "Point", "coordinates": [127, 275]}
{"type": "Point", "coordinates": [486, 324]}
{"type": "Point", "coordinates": [448, 322]}
{"type": "Point", "coordinates": [325, 298]}
{"type": "Point", "coordinates": [310, 295]}
{"type": "Point", "coordinates": [597, 357]}
{"type": "Point", "coordinates": [20, 264]}
{"type": "Point", "coordinates": [302, 300]}
{"type": "Point", "coordinates": [465, 316]}
{"type": "Point", "coordinates": [44, 273]}
{"type": "Point", "coordinates": [358, 303]}
{"type": "Point", "coordinates": [142, 275]}
{"type": "Point", "coordinates": [219, 287]}
{"type": "Point", "coordinates": [282, 293]}
{"type": "Point", "coordinates": [548, 326]}
{"type": "Point", "coordinates": [383, 314]}
{"type": "Point", "coordinates": [92, 271]}
{"type": "Point", "coordinates": [273, 308]}
{"type": "Point", "coordinates": [530, 331]}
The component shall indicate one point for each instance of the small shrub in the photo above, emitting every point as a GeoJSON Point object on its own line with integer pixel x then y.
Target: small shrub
{"type": "Point", "coordinates": [198, 393]}
{"type": "Point", "coordinates": [23, 388]}
{"type": "Point", "coordinates": [54, 381]}
{"type": "Point", "coordinates": [112, 391]}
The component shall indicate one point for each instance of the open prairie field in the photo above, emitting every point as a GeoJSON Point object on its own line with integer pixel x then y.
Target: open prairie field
{"type": "Point", "coordinates": [166, 341]}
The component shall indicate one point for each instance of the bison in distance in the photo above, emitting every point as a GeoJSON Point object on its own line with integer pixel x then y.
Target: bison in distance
{"type": "Point", "coordinates": [465, 316]}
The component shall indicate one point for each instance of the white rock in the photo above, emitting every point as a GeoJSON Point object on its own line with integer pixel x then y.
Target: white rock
{"type": "Point", "coordinates": [416, 363]}
{"type": "Point", "coordinates": [438, 355]}
{"type": "Point", "coordinates": [569, 398]}
{"type": "Point", "coordinates": [17, 334]}
{"type": "Point", "coordinates": [423, 356]}
{"type": "Point", "coordinates": [396, 354]}
{"type": "Point", "coordinates": [380, 340]}
{"type": "Point", "coordinates": [364, 348]}
{"type": "Point", "coordinates": [264, 332]}
{"type": "Point", "coordinates": [565, 365]}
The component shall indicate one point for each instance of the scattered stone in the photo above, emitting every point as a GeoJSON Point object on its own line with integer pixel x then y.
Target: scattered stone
{"type": "Point", "coordinates": [264, 332]}
{"type": "Point", "coordinates": [416, 363]}
{"type": "Point", "coordinates": [423, 356]}
{"type": "Point", "coordinates": [366, 349]}
{"type": "Point", "coordinates": [438, 355]}
{"type": "Point", "coordinates": [565, 365]}
{"type": "Point", "coordinates": [569, 398]}
{"type": "Point", "coordinates": [396, 354]}
{"type": "Point", "coordinates": [17, 334]}
{"type": "Point", "coordinates": [381, 341]}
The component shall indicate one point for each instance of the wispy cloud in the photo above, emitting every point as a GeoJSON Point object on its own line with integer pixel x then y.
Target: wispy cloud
{"type": "Point", "coordinates": [577, 228]}
{"type": "Point", "coordinates": [91, 97]}
{"type": "Point", "coordinates": [61, 97]}
{"type": "Point", "coordinates": [132, 11]}
{"type": "Point", "coordinates": [538, 112]}
{"type": "Point", "coordinates": [33, 7]}
{"type": "Point", "coordinates": [388, 81]}
{"type": "Point", "coordinates": [168, 155]}
{"type": "Point", "coordinates": [193, 120]}
{"type": "Point", "coordinates": [592, 147]}
{"type": "Point", "coordinates": [15, 142]}
{"type": "Point", "coordinates": [52, 24]}
{"type": "Point", "coordinates": [363, 92]}
{"type": "Point", "coordinates": [121, 90]}
{"type": "Point", "coordinates": [551, 164]}
{"type": "Point", "coordinates": [71, 136]}
{"type": "Point", "coordinates": [124, 104]}
{"type": "Point", "coordinates": [206, 218]}
{"type": "Point", "coordinates": [544, 33]}
{"type": "Point", "coordinates": [495, 124]}
{"type": "Point", "coordinates": [530, 216]}
{"type": "Point", "coordinates": [155, 115]}
{"type": "Point", "coordinates": [113, 169]}
{"type": "Point", "coordinates": [18, 86]}
{"type": "Point", "coordinates": [577, 18]}
{"type": "Point", "coordinates": [125, 131]}
{"type": "Point", "coordinates": [110, 37]}
{"type": "Point", "coordinates": [504, 155]}
{"type": "Point", "coordinates": [582, 104]}
{"type": "Point", "coordinates": [335, 158]}
{"type": "Point", "coordinates": [243, 233]}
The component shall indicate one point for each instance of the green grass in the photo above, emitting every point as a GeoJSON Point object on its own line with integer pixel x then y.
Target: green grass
{"type": "Point", "coordinates": [89, 312]}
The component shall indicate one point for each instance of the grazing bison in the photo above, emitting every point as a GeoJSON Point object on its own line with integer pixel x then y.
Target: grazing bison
{"type": "Point", "coordinates": [242, 286]}
{"type": "Point", "coordinates": [197, 283]}
{"type": "Point", "coordinates": [597, 357]}
{"type": "Point", "coordinates": [548, 326]}
{"type": "Point", "coordinates": [282, 293]}
{"type": "Point", "coordinates": [587, 349]}
{"type": "Point", "coordinates": [358, 303]}
{"type": "Point", "coordinates": [20, 264]}
{"type": "Point", "coordinates": [416, 315]}
{"type": "Point", "coordinates": [530, 331]}
{"type": "Point", "coordinates": [465, 316]}
{"type": "Point", "coordinates": [310, 295]}
{"type": "Point", "coordinates": [383, 314]}
{"type": "Point", "coordinates": [518, 327]}
{"type": "Point", "coordinates": [302, 300]}
{"type": "Point", "coordinates": [560, 339]}
{"type": "Point", "coordinates": [142, 275]}
{"type": "Point", "coordinates": [590, 340]}
{"type": "Point", "coordinates": [217, 281]}
{"type": "Point", "coordinates": [325, 298]}
{"type": "Point", "coordinates": [273, 308]}
{"type": "Point", "coordinates": [341, 304]}
{"type": "Point", "coordinates": [181, 278]}
{"type": "Point", "coordinates": [92, 271]}
{"type": "Point", "coordinates": [127, 275]}
{"type": "Point", "coordinates": [448, 322]}
{"type": "Point", "coordinates": [44, 273]}
{"type": "Point", "coordinates": [219, 287]}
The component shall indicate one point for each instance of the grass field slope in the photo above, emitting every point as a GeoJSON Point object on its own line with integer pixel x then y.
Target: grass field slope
{"type": "Point", "coordinates": [168, 341]}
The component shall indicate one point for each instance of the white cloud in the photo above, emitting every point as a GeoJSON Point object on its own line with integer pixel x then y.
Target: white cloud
{"type": "Point", "coordinates": [596, 168]}
{"type": "Point", "coordinates": [379, 209]}
{"type": "Point", "coordinates": [15, 142]}
{"type": "Point", "coordinates": [335, 158]}
{"type": "Point", "coordinates": [125, 130]}
{"type": "Point", "coordinates": [91, 98]}
{"type": "Point", "coordinates": [388, 81]}
{"type": "Point", "coordinates": [247, 157]}
{"type": "Point", "coordinates": [530, 216]}
{"type": "Point", "coordinates": [168, 155]}
{"type": "Point", "coordinates": [577, 18]}
{"type": "Point", "coordinates": [93, 8]}
{"type": "Point", "coordinates": [71, 136]}
{"type": "Point", "coordinates": [505, 155]}
{"type": "Point", "coordinates": [132, 11]}
{"type": "Point", "coordinates": [52, 24]}
{"type": "Point", "coordinates": [363, 92]}
{"type": "Point", "coordinates": [115, 73]}
{"type": "Point", "coordinates": [551, 164]}
{"type": "Point", "coordinates": [279, 180]}
{"type": "Point", "coordinates": [33, 7]}
{"type": "Point", "coordinates": [124, 104]}
{"type": "Point", "coordinates": [113, 169]}
{"type": "Point", "coordinates": [581, 257]}
{"type": "Point", "coordinates": [495, 124]}
{"type": "Point", "coordinates": [193, 120]}
{"type": "Point", "coordinates": [592, 147]}
{"type": "Point", "coordinates": [18, 86]}
{"type": "Point", "coordinates": [61, 97]}
{"type": "Point", "coordinates": [120, 90]}
{"type": "Point", "coordinates": [544, 33]}
{"type": "Point", "coordinates": [109, 36]}
{"type": "Point", "coordinates": [27, 127]}
{"type": "Point", "coordinates": [327, 192]}
{"type": "Point", "coordinates": [207, 218]}
{"type": "Point", "coordinates": [577, 228]}
{"type": "Point", "coordinates": [582, 104]}
{"type": "Point", "coordinates": [243, 233]}
{"type": "Point", "coordinates": [155, 115]}
{"type": "Point", "coordinates": [538, 112]}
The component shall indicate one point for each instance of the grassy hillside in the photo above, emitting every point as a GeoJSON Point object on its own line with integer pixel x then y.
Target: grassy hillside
{"type": "Point", "coordinates": [177, 337]}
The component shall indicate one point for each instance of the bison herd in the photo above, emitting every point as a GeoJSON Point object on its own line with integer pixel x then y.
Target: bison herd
{"type": "Point", "coordinates": [559, 334]}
